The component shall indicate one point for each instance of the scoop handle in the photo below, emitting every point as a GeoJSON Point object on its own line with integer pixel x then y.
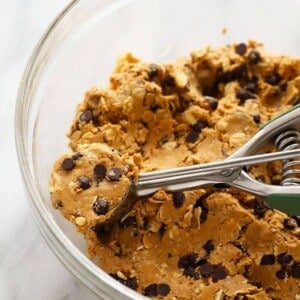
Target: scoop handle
{"type": "Point", "coordinates": [288, 203]}
{"type": "Point", "coordinates": [289, 119]}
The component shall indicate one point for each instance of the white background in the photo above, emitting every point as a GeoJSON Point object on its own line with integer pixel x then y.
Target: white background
{"type": "Point", "coordinates": [28, 268]}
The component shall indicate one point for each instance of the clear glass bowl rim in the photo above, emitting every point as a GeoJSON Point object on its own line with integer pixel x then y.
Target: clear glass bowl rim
{"type": "Point", "coordinates": [98, 281]}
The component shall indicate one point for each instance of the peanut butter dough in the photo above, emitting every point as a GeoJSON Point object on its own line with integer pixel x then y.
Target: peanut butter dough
{"type": "Point", "coordinates": [213, 243]}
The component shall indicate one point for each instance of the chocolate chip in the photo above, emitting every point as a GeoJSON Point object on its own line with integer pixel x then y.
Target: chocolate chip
{"type": "Point", "coordinates": [241, 48]}
{"type": "Point", "coordinates": [201, 261]}
{"type": "Point", "coordinates": [86, 116]}
{"type": "Point", "coordinates": [283, 86]}
{"type": "Point", "coordinates": [153, 71]}
{"type": "Point", "coordinates": [114, 174]}
{"type": "Point", "coordinates": [211, 91]}
{"type": "Point", "coordinates": [101, 206]}
{"type": "Point", "coordinates": [189, 259]}
{"type": "Point", "coordinates": [68, 164]}
{"type": "Point", "coordinates": [182, 262]}
{"type": "Point", "coordinates": [84, 182]}
{"type": "Point", "coordinates": [209, 246]}
{"type": "Point", "coordinates": [281, 273]}
{"type": "Point", "coordinates": [154, 107]}
{"type": "Point", "coordinates": [204, 211]}
{"type": "Point", "coordinates": [169, 81]}
{"type": "Point", "coordinates": [103, 232]}
{"type": "Point", "coordinates": [190, 271]}
{"type": "Point", "coordinates": [219, 78]}
{"type": "Point", "coordinates": [200, 202]}
{"type": "Point", "coordinates": [284, 258]}
{"type": "Point", "coordinates": [256, 283]}
{"type": "Point", "coordinates": [59, 204]}
{"type": "Point", "coordinates": [130, 282]}
{"type": "Point", "coordinates": [162, 230]}
{"type": "Point", "coordinates": [254, 56]}
{"type": "Point", "coordinates": [128, 221]}
{"type": "Point", "coordinates": [77, 155]}
{"type": "Point", "coordinates": [199, 126]}
{"type": "Point", "coordinates": [243, 95]}
{"type": "Point", "coordinates": [260, 207]}
{"type": "Point", "coordinates": [237, 73]}
{"type": "Point", "coordinates": [203, 215]}
{"type": "Point", "coordinates": [154, 289]}
{"type": "Point", "coordinates": [295, 271]}
{"type": "Point", "coordinates": [219, 273]}
{"type": "Point", "coordinates": [273, 79]}
{"type": "Point", "coordinates": [227, 77]}
{"type": "Point", "coordinates": [297, 219]}
{"type": "Point", "coordinates": [178, 199]}
{"type": "Point", "coordinates": [151, 290]}
{"type": "Point", "coordinates": [267, 259]}
{"type": "Point", "coordinates": [192, 137]}
{"type": "Point", "coordinates": [163, 289]}
{"type": "Point", "coordinates": [100, 170]}
{"type": "Point", "coordinates": [220, 186]}
{"type": "Point", "coordinates": [251, 87]}
{"type": "Point", "coordinates": [206, 269]}
{"type": "Point", "coordinates": [145, 223]}
{"type": "Point", "coordinates": [212, 102]}
{"type": "Point", "coordinates": [257, 119]}
{"type": "Point", "coordinates": [290, 223]}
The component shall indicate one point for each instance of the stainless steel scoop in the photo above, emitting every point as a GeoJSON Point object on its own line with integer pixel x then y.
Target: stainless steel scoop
{"type": "Point", "coordinates": [283, 131]}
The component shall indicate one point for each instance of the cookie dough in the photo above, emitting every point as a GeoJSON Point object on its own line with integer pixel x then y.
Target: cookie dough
{"type": "Point", "coordinates": [213, 243]}
{"type": "Point", "coordinates": [96, 178]}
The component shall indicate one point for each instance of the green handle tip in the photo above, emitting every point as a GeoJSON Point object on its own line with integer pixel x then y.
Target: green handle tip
{"type": "Point", "coordinates": [288, 203]}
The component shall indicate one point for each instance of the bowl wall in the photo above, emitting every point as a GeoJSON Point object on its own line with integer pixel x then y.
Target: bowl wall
{"type": "Point", "coordinates": [79, 51]}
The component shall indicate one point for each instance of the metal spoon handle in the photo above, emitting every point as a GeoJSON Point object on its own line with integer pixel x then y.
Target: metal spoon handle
{"type": "Point", "coordinates": [216, 171]}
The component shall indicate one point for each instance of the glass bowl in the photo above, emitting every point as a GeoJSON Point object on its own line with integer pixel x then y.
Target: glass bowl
{"type": "Point", "coordinates": [79, 51]}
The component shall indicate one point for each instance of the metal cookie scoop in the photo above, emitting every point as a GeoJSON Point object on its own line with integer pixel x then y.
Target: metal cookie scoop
{"type": "Point", "coordinates": [283, 131]}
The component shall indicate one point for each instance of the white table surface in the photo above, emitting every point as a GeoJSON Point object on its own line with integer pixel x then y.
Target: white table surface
{"type": "Point", "coordinates": [28, 268]}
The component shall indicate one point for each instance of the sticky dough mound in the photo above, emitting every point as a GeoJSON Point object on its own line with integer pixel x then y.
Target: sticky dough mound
{"type": "Point", "coordinates": [201, 244]}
